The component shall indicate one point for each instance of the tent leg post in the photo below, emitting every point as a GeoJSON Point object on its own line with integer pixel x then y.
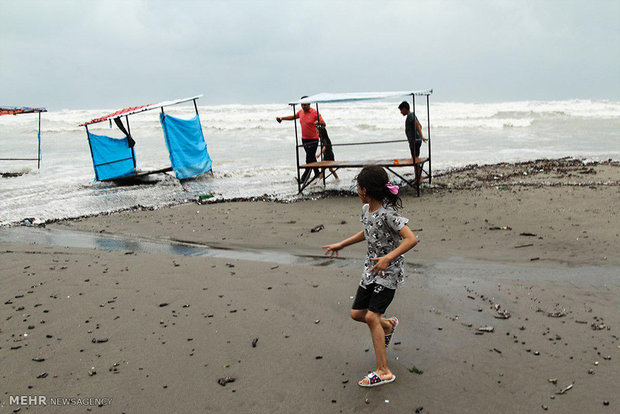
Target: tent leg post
{"type": "Point", "coordinates": [39, 148]}
{"type": "Point", "coordinates": [401, 177]}
{"type": "Point", "coordinates": [428, 123]}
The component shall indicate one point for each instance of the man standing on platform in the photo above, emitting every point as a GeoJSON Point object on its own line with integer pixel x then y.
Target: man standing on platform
{"type": "Point", "coordinates": [413, 130]}
{"type": "Point", "coordinates": [309, 119]}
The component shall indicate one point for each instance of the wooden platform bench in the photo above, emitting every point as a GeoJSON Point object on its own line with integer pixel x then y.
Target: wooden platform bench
{"type": "Point", "coordinates": [389, 164]}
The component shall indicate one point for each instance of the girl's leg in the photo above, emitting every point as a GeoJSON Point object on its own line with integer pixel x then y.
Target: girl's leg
{"type": "Point", "coordinates": [334, 173]}
{"type": "Point", "coordinates": [360, 316]}
{"type": "Point", "coordinates": [376, 332]}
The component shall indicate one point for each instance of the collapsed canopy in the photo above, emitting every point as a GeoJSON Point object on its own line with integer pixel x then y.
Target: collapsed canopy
{"type": "Point", "coordinates": [357, 96]}
{"type": "Point", "coordinates": [14, 110]}
{"type": "Point", "coordinates": [137, 109]}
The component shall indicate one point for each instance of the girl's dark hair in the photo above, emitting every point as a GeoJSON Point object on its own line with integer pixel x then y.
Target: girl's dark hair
{"type": "Point", "coordinates": [374, 179]}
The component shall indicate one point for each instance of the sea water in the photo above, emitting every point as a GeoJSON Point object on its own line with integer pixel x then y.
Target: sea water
{"type": "Point", "coordinates": [253, 155]}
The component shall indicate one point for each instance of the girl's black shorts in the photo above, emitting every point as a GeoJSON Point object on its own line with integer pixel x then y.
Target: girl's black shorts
{"type": "Point", "coordinates": [376, 298]}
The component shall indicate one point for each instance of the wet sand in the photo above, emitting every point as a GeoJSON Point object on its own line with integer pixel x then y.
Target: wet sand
{"type": "Point", "coordinates": [176, 324]}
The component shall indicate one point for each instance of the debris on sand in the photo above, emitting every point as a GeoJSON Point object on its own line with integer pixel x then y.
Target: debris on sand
{"type": "Point", "coordinates": [598, 326]}
{"type": "Point", "coordinates": [99, 340]}
{"type": "Point", "coordinates": [555, 314]}
{"type": "Point", "coordinates": [553, 380]}
{"type": "Point", "coordinates": [502, 314]}
{"type": "Point", "coordinates": [415, 370]}
{"type": "Point", "coordinates": [254, 342]}
{"type": "Point", "coordinates": [225, 380]}
{"type": "Point", "coordinates": [316, 229]}
{"type": "Point", "coordinates": [486, 329]}
{"type": "Point", "coordinates": [565, 389]}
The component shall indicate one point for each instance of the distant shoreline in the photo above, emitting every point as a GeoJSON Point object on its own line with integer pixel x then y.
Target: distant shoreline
{"type": "Point", "coordinates": [450, 178]}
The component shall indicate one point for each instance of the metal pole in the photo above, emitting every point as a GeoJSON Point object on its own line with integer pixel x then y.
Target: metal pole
{"type": "Point", "coordinates": [318, 115]}
{"type": "Point", "coordinates": [39, 151]}
{"type": "Point", "coordinates": [195, 107]}
{"type": "Point", "coordinates": [297, 151]}
{"type": "Point", "coordinates": [318, 118]}
{"type": "Point", "coordinates": [91, 153]}
{"type": "Point", "coordinates": [428, 122]}
{"type": "Point", "coordinates": [133, 154]}
{"type": "Point", "coordinates": [415, 134]}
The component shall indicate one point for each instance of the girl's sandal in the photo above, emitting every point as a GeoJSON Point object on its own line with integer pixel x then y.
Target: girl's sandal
{"type": "Point", "coordinates": [388, 337]}
{"type": "Point", "coordinates": [374, 380]}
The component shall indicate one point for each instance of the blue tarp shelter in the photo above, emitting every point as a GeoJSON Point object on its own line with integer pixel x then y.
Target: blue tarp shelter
{"type": "Point", "coordinates": [115, 159]}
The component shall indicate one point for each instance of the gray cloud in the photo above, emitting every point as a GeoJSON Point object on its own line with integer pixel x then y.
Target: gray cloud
{"type": "Point", "coordinates": [84, 54]}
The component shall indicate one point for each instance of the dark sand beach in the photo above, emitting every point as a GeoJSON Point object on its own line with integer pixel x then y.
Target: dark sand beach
{"type": "Point", "coordinates": [538, 240]}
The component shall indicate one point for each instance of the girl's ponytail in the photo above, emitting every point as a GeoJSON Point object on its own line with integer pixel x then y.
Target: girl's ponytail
{"type": "Point", "coordinates": [391, 196]}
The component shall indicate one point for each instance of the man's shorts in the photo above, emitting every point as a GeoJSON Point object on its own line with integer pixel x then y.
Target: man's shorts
{"type": "Point", "coordinates": [374, 297]}
{"type": "Point", "coordinates": [415, 148]}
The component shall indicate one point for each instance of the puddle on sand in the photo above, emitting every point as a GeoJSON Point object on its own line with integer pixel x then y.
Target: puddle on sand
{"type": "Point", "coordinates": [98, 241]}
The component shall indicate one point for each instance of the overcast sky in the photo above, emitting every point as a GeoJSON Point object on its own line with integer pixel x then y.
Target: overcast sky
{"type": "Point", "coordinates": [96, 54]}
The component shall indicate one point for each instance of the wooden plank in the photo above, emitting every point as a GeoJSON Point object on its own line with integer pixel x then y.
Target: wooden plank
{"type": "Point", "coordinates": [402, 162]}
{"type": "Point", "coordinates": [139, 174]}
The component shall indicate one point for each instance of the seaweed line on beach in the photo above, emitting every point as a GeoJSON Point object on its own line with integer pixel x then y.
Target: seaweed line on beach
{"type": "Point", "coordinates": [463, 178]}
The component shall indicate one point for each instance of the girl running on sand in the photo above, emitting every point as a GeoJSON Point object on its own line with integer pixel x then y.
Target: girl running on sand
{"type": "Point", "coordinates": [388, 238]}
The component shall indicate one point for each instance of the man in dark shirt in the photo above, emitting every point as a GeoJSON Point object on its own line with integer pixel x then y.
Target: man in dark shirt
{"type": "Point", "coordinates": [413, 130]}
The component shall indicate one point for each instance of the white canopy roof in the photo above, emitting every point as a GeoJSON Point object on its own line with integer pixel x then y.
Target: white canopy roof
{"type": "Point", "coordinates": [357, 96]}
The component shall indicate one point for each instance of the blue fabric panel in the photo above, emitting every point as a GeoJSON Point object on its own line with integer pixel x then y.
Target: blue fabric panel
{"type": "Point", "coordinates": [186, 146]}
{"type": "Point", "coordinates": [115, 155]}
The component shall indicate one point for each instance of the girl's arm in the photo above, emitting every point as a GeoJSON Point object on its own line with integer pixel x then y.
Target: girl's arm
{"type": "Point", "coordinates": [409, 242]}
{"type": "Point", "coordinates": [322, 151]}
{"type": "Point", "coordinates": [332, 249]}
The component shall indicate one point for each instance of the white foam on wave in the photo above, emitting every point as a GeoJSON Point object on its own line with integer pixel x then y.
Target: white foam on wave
{"type": "Point", "coordinates": [254, 155]}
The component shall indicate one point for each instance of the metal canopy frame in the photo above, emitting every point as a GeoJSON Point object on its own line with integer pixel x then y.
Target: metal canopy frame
{"type": "Point", "coordinates": [133, 154]}
{"type": "Point", "coordinates": [29, 111]}
{"type": "Point", "coordinates": [417, 162]}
